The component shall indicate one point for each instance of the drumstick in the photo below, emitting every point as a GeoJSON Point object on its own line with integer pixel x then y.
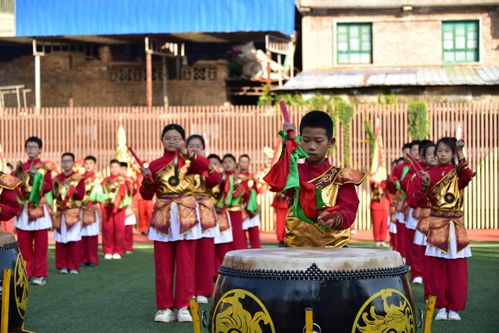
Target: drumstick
{"type": "Point", "coordinates": [309, 320]}
{"type": "Point", "coordinates": [195, 315]}
{"type": "Point", "coordinates": [286, 118]}
{"type": "Point", "coordinates": [414, 162]}
{"type": "Point", "coordinates": [140, 162]}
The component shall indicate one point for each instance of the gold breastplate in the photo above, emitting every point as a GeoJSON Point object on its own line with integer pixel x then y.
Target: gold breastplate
{"type": "Point", "coordinates": [90, 184]}
{"type": "Point", "coordinates": [198, 185]}
{"type": "Point", "coordinates": [60, 190]}
{"type": "Point", "coordinates": [27, 176]}
{"type": "Point", "coordinates": [165, 180]}
{"type": "Point", "coordinates": [446, 195]}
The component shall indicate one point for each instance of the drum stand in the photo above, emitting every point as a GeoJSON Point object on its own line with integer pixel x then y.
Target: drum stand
{"type": "Point", "coordinates": [4, 325]}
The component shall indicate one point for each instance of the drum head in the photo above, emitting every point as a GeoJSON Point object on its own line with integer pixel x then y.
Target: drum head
{"type": "Point", "coordinates": [6, 238]}
{"type": "Point", "coordinates": [326, 259]}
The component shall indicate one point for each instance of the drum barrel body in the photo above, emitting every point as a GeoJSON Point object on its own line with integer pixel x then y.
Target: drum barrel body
{"type": "Point", "coordinates": [371, 300]}
{"type": "Point", "coordinates": [11, 259]}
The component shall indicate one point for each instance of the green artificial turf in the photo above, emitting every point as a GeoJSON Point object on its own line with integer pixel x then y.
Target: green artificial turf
{"type": "Point", "coordinates": [118, 296]}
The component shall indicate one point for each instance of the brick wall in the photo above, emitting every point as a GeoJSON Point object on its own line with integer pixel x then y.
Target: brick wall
{"type": "Point", "coordinates": [88, 82]}
{"type": "Point", "coordinates": [414, 39]}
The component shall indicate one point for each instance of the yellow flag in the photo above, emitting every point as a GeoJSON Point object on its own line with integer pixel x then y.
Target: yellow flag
{"type": "Point", "coordinates": [121, 146]}
{"type": "Point", "coordinates": [378, 165]}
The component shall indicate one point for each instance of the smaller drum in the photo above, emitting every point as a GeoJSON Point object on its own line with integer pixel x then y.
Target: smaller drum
{"type": "Point", "coordinates": [348, 289]}
{"type": "Point", "coordinates": [11, 259]}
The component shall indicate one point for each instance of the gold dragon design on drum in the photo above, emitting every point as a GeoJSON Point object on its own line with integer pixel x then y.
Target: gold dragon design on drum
{"type": "Point", "coordinates": [395, 316]}
{"type": "Point", "coordinates": [21, 286]}
{"type": "Point", "coordinates": [240, 311]}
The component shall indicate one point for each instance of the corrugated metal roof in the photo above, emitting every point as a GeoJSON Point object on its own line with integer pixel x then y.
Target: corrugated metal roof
{"type": "Point", "coordinates": [115, 17]}
{"type": "Point", "coordinates": [440, 76]}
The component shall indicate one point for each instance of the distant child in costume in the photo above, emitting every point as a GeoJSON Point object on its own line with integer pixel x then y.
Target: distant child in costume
{"type": "Point", "coordinates": [316, 221]}
{"type": "Point", "coordinates": [251, 217]}
{"type": "Point", "coordinates": [33, 222]}
{"type": "Point", "coordinates": [448, 245]}
{"type": "Point", "coordinates": [280, 205]}
{"type": "Point", "coordinates": [380, 209]}
{"type": "Point", "coordinates": [68, 193]}
{"type": "Point", "coordinates": [223, 240]}
{"type": "Point", "coordinates": [91, 215]}
{"type": "Point", "coordinates": [233, 194]}
{"type": "Point", "coordinates": [113, 227]}
{"type": "Point", "coordinates": [8, 201]}
{"type": "Point", "coordinates": [130, 218]}
{"type": "Point", "coordinates": [205, 247]}
{"type": "Point", "coordinates": [174, 226]}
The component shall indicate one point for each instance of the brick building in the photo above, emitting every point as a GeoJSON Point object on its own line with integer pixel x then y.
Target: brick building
{"type": "Point", "coordinates": [443, 50]}
{"type": "Point", "coordinates": [127, 52]}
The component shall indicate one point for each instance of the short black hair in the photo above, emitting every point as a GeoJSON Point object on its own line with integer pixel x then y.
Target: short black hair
{"type": "Point", "coordinates": [215, 156]}
{"type": "Point", "coordinates": [90, 158]}
{"type": "Point", "coordinates": [449, 141]}
{"type": "Point", "coordinates": [68, 154]}
{"type": "Point", "coordinates": [114, 161]}
{"type": "Point", "coordinates": [34, 139]}
{"type": "Point", "coordinates": [424, 143]}
{"type": "Point", "coordinates": [9, 165]}
{"type": "Point", "coordinates": [423, 149]}
{"type": "Point", "coordinates": [196, 136]}
{"type": "Point", "coordinates": [415, 143]}
{"type": "Point", "coordinates": [175, 127]}
{"type": "Point", "coordinates": [229, 156]}
{"type": "Point", "coordinates": [406, 146]}
{"type": "Point", "coordinates": [124, 164]}
{"type": "Point", "coordinates": [244, 155]}
{"type": "Point", "coordinates": [317, 119]}
{"type": "Point", "coordinates": [400, 160]}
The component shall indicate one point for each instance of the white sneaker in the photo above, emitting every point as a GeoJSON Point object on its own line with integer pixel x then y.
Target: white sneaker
{"type": "Point", "coordinates": [202, 299]}
{"type": "Point", "coordinates": [116, 256]}
{"type": "Point", "coordinates": [441, 314]}
{"type": "Point", "coordinates": [453, 315]}
{"type": "Point", "coordinates": [164, 316]}
{"type": "Point", "coordinates": [74, 271]}
{"type": "Point", "coordinates": [417, 280]}
{"type": "Point", "coordinates": [64, 271]}
{"type": "Point", "coordinates": [39, 281]}
{"type": "Point", "coordinates": [108, 256]}
{"type": "Point", "coordinates": [183, 315]}
{"type": "Point", "coordinates": [384, 244]}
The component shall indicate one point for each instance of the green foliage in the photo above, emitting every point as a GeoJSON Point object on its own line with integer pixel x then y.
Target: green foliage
{"type": "Point", "coordinates": [419, 123]}
{"type": "Point", "coordinates": [387, 97]}
{"type": "Point", "coordinates": [266, 97]}
{"type": "Point", "coordinates": [370, 135]}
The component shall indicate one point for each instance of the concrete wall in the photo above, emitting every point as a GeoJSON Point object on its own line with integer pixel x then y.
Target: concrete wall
{"type": "Point", "coordinates": [398, 40]}
{"type": "Point", "coordinates": [87, 81]}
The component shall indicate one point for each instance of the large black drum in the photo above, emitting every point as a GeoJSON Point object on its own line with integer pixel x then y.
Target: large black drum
{"type": "Point", "coordinates": [348, 290]}
{"type": "Point", "coordinates": [18, 298]}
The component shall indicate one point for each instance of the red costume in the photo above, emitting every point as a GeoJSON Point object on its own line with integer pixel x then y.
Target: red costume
{"type": "Point", "coordinates": [253, 230]}
{"type": "Point", "coordinates": [113, 226]}
{"type": "Point", "coordinates": [8, 201]}
{"type": "Point", "coordinates": [380, 207]}
{"type": "Point", "coordinates": [33, 222]}
{"type": "Point", "coordinates": [280, 204]}
{"type": "Point", "coordinates": [174, 226]}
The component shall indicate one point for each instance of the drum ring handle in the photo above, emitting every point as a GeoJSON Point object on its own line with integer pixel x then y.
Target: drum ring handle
{"type": "Point", "coordinates": [204, 319]}
{"type": "Point", "coordinates": [313, 328]}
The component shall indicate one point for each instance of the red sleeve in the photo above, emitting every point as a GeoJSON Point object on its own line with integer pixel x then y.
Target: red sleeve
{"type": "Point", "coordinates": [80, 190]}
{"type": "Point", "coordinates": [47, 183]}
{"type": "Point", "coordinates": [414, 196]}
{"type": "Point", "coordinates": [212, 179]}
{"type": "Point", "coordinates": [199, 165]}
{"type": "Point", "coordinates": [348, 203]}
{"type": "Point", "coordinates": [465, 177]}
{"type": "Point", "coordinates": [8, 205]}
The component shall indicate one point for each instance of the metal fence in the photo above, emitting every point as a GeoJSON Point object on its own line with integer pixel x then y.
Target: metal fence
{"type": "Point", "coordinates": [248, 129]}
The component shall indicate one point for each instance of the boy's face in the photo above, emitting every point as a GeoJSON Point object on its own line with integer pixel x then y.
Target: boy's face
{"type": "Point", "coordinates": [229, 164]}
{"type": "Point", "coordinates": [430, 158]}
{"type": "Point", "coordinates": [67, 164]}
{"type": "Point", "coordinates": [405, 151]}
{"type": "Point", "coordinates": [215, 162]}
{"type": "Point", "coordinates": [244, 163]}
{"type": "Point", "coordinates": [89, 166]}
{"type": "Point", "coordinates": [115, 169]}
{"type": "Point", "coordinates": [316, 143]}
{"type": "Point", "coordinates": [444, 153]}
{"type": "Point", "coordinates": [123, 171]}
{"type": "Point", "coordinates": [195, 146]}
{"type": "Point", "coordinates": [33, 150]}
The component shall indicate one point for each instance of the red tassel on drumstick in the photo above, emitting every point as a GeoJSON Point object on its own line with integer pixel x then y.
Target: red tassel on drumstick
{"type": "Point", "coordinates": [139, 162]}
